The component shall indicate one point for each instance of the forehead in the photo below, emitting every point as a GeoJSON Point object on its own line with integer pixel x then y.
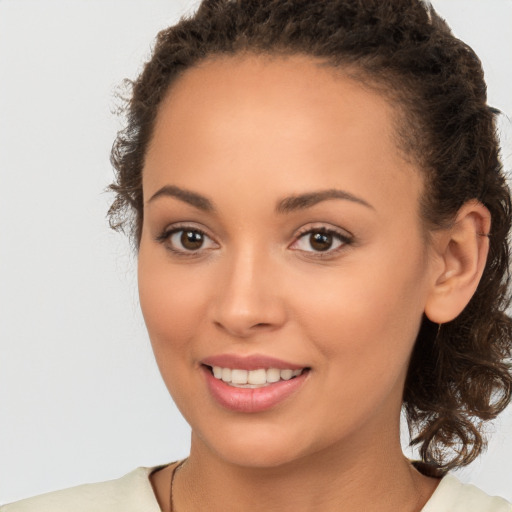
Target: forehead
{"type": "Point", "coordinates": [285, 119]}
{"type": "Point", "coordinates": [296, 91]}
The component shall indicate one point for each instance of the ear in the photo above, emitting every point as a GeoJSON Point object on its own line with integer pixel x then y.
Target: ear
{"type": "Point", "coordinates": [461, 251]}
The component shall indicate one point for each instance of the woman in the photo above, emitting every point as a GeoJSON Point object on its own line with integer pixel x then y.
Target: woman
{"type": "Point", "coordinates": [321, 220]}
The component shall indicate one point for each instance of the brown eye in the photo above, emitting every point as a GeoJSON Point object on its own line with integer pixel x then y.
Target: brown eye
{"type": "Point", "coordinates": [321, 241]}
{"type": "Point", "coordinates": [191, 240]}
{"type": "Point", "coordinates": [187, 241]}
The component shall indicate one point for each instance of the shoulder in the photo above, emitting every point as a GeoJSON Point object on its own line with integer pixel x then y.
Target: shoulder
{"type": "Point", "coordinates": [454, 496]}
{"type": "Point", "coordinates": [131, 493]}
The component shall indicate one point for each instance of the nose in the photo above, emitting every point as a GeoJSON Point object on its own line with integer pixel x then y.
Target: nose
{"type": "Point", "coordinates": [248, 299]}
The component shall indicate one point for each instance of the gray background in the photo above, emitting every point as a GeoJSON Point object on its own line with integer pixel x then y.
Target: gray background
{"type": "Point", "coordinates": [80, 396]}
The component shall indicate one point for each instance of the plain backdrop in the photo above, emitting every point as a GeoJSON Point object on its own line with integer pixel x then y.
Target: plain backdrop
{"type": "Point", "coordinates": [81, 399]}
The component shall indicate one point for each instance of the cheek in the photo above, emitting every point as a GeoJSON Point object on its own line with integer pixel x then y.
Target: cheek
{"type": "Point", "coordinates": [366, 320]}
{"type": "Point", "coordinates": [172, 309]}
{"type": "Point", "coordinates": [171, 301]}
{"type": "Point", "coordinates": [365, 335]}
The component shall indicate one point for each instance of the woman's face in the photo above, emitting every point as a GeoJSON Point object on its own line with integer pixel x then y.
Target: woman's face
{"type": "Point", "coordinates": [281, 237]}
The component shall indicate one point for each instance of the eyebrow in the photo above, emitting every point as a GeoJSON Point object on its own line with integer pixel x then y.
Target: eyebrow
{"type": "Point", "coordinates": [286, 205]}
{"type": "Point", "coordinates": [197, 200]}
{"type": "Point", "coordinates": [302, 201]}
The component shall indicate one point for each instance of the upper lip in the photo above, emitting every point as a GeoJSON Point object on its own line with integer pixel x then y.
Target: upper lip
{"type": "Point", "coordinates": [249, 362]}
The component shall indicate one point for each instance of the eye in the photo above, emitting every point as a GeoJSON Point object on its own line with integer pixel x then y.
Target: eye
{"type": "Point", "coordinates": [185, 240]}
{"type": "Point", "coordinates": [321, 240]}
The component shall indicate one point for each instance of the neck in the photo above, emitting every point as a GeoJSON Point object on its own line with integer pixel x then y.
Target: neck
{"type": "Point", "coordinates": [343, 478]}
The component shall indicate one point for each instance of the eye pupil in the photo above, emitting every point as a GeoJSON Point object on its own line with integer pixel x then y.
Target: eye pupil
{"type": "Point", "coordinates": [321, 241]}
{"type": "Point", "coordinates": [192, 240]}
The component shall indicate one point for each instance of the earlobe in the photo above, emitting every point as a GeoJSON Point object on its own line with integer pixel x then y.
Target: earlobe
{"type": "Point", "coordinates": [462, 251]}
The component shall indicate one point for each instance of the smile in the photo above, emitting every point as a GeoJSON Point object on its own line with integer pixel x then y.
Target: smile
{"type": "Point", "coordinates": [253, 378]}
{"type": "Point", "coordinates": [252, 384]}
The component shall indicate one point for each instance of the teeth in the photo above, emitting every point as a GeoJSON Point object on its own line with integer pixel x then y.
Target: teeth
{"type": "Point", "coordinates": [286, 374]}
{"type": "Point", "coordinates": [239, 376]}
{"type": "Point", "coordinates": [257, 376]}
{"type": "Point", "coordinates": [253, 378]}
{"type": "Point", "coordinates": [226, 374]}
{"type": "Point", "coordinates": [273, 375]}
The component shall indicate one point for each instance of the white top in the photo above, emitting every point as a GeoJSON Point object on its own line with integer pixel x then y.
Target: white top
{"type": "Point", "coordinates": [133, 493]}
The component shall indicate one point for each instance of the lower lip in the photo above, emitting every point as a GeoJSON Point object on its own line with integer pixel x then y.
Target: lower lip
{"type": "Point", "coordinates": [252, 399]}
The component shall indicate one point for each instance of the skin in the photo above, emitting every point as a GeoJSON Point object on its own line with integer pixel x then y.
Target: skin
{"type": "Point", "coordinates": [244, 133]}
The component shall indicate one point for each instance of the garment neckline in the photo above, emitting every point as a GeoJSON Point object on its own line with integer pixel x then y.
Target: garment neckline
{"type": "Point", "coordinates": [445, 479]}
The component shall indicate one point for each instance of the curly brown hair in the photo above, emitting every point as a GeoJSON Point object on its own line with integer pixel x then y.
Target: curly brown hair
{"type": "Point", "coordinates": [460, 374]}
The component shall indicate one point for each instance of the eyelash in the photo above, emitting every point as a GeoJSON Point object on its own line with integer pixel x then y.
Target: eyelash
{"type": "Point", "coordinates": [165, 237]}
{"type": "Point", "coordinates": [344, 239]}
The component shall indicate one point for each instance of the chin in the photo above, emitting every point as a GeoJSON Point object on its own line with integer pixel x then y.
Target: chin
{"type": "Point", "coordinates": [258, 447]}
{"type": "Point", "coordinates": [260, 458]}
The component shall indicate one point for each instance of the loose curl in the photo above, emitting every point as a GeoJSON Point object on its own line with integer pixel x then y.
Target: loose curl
{"type": "Point", "coordinates": [460, 373]}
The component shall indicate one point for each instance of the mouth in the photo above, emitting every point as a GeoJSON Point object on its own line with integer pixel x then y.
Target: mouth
{"type": "Point", "coordinates": [253, 379]}
{"type": "Point", "coordinates": [252, 383]}
{"type": "Point", "coordinates": [263, 384]}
